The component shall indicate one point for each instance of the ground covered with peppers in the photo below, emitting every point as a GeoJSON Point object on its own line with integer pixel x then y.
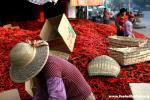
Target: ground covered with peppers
{"type": "Point", "coordinates": [91, 41]}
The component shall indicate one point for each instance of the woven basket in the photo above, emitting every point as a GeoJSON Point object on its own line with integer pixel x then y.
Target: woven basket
{"type": "Point", "coordinates": [122, 41]}
{"type": "Point", "coordinates": [130, 55]}
{"type": "Point", "coordinates": [103, 65]}
{"type": "Point", "coordinates": [60, 54]}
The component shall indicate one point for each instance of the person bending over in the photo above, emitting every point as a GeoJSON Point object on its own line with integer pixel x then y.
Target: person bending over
{"type": "Point", "coordinates": [57, 79]}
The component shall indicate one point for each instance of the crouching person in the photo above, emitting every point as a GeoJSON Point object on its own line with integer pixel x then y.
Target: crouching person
{"type": "Point", "coordinates": [57, 78]}
{"type": "Point", "coordinates": [129, 27]}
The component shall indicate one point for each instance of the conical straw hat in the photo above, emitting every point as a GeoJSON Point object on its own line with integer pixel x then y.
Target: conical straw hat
{"type": "Point", "coordinates": [28, 60]}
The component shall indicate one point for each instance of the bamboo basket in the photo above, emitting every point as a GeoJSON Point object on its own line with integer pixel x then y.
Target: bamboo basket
{"type": "Point", "coordinates": [122, 41]}
{"type": "Point", "coordinates": [130, 55]}
{"type": "Point", "coordinates": [103, 65]}
{"type": "Point", "coordinates": [60, 54]}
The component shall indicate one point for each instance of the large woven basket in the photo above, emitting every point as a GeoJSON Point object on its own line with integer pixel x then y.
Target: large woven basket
{"type": "Point", "coordinates": [103, 65]}
{"type": "Point", "coordinates": [130, 55]}
{"type": "Point", "coordinates": [60, 54]}
{"type": "Point", "coordinates": [122, 41]}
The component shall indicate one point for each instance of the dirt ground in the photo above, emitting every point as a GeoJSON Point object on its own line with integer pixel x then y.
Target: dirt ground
{"type": "Point", "coordinates": [146, 22]}
{"type": "Point", "coordinates": [145, 31]}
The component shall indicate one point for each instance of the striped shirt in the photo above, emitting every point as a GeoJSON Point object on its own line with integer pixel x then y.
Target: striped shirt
{"type": "Point", "coordinates": [86, 2]}
{"type": "Point", "coordinates": [75, 85]}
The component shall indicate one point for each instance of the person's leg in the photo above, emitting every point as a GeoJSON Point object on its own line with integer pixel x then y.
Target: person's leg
{"type": "Point", "coordinates": [108, 21]}
{"type": "Point", "coordinates": [51, 10]}
{"type": "Point", "coordinates": [104, 21]}
{"type": "Point", "coordinates": [120, 33]}
{"type": "Point", "coordinates": [48, 10]}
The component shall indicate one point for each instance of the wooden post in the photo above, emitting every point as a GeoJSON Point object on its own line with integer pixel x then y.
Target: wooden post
{"type": "Point", "coordinates": [87, 16]}
{"type": "Point", "coordinates": [129, 4]}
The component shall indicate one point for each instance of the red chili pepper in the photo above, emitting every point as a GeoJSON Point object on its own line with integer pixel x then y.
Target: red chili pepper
{"type": "Point", "coordinates": [90, 42]}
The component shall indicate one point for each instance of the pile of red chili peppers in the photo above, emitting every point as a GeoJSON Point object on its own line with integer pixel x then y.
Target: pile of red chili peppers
{"type": "Point", "coordinates": [8, 38]}
{"type": "Point", "coordinates": [90, 42]}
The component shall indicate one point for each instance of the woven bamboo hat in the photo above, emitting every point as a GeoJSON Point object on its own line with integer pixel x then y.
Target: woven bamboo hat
{"type": "Point", "coordinates": [103, 65]}
{"type": "Point", "coordinates": [27, 60]}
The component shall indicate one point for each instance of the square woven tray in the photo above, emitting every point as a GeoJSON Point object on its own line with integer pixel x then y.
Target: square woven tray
{"type": "Point", "coordinates": [122, 41]}
{"type": "Point", "coordinates": [130, 55]}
